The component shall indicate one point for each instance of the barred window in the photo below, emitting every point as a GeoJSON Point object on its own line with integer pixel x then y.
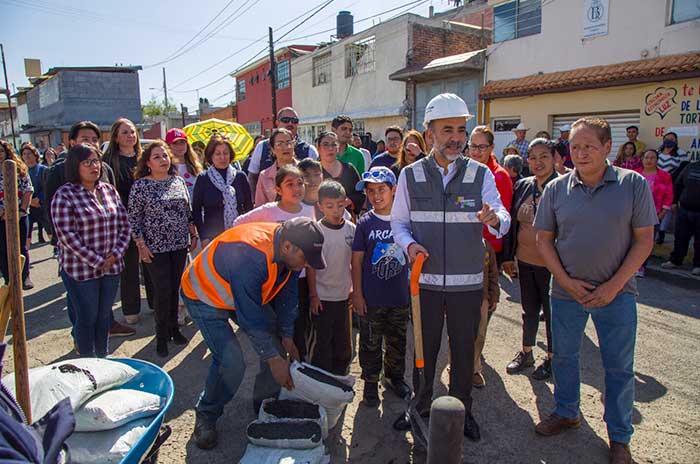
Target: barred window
{"type": "Point", "coordinates": [359, 57]}
{"type": "Point", "coordinates": [241, 90]}
{"type": "Point", "coordinates": [321, 70]}
{"type": "Point", "coordinates": [283, 74]}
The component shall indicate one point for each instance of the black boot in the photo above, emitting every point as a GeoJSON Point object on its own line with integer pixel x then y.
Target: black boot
{"type": "Point", "coordinates": [471, 428]}
{"type": "Point", "coordinates": [520, 362]}
{"type": "Point", "coordinates": [162, 347]}
{"type": "Point", "coordinates": [205, 435]}
{"type": "Point", "coordinates": [178, 338]}
{"type": "Point", "coordinates": [371, 395]}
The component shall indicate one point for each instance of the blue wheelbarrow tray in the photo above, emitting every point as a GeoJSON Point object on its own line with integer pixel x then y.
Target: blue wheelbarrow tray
{"type": "Point", "coordinates": [150, 379]}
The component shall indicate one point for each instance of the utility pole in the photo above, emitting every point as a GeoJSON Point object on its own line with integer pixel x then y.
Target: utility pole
{"type": "Point", "coordinates": [9, 100]}
{"type": "Point", "coordinates": [182, 111]}
{"type": "Point", "coordinates": [165, 92]}
{"type": "Point", "coordinates": [273, 78]}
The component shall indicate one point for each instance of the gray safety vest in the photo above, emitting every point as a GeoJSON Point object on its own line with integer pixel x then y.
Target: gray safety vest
{"type": "Point", "coordinates": [444, 221]}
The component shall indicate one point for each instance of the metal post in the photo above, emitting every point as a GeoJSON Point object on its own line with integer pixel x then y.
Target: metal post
{"type": "Point", "coordinates": [446, 431]}
{"type": "Point", "coordinates": [165, 92]}
{"type": "Point", "coordinates": [9, 100]}
{"type": "Point", "coordinates": [182, 112]}
{"type": "Point", "coordinates": [273, 78]}
{"type": "Point", "coordinates": [19, 336]}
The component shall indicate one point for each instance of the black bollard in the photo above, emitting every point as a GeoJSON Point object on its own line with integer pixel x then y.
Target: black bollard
{"type": "Point", "coordinates": [446, 431]}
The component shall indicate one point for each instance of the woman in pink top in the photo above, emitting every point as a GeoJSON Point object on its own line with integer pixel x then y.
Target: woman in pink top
{"type": "Point", "coordinates": [628, 158]}
{"type": "Point", "coordinates": [661, 186]}
{"type": "Point", "coordinates": [282, 144]}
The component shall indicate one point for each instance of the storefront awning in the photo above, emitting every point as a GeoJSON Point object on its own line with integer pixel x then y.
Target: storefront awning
{"type": "Point", "coordinates": [631, 72]}
{"type": "Point", "coordinates": [447, 66]}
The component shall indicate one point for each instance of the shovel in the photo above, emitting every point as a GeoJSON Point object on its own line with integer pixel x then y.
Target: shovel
{"type": "Point", "coordinates": [411, 418]}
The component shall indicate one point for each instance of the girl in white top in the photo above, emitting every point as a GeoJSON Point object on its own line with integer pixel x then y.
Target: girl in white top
{"type": "Point", "coordinates": [289, 185]}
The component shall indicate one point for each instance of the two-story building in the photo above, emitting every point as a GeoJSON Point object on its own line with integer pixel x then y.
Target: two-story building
{"type": "Point", "coordinates": [254, 89]}
{"type": "Point", "coordinates": [371, 76]}
{"type": "Point", "coordinates": [66, 95]}
{"type": "Point", "coordinates": [634, 62]}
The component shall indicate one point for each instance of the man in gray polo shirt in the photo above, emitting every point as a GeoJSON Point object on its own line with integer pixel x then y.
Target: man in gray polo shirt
{"type": "Point", "coordinates": [595, 228]}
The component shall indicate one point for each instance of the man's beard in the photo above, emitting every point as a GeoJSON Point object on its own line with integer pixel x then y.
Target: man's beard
{"type": "Point", "coordinates": [451, 145]}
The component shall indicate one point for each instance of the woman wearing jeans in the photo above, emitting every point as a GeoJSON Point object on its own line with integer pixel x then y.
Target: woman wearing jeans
{"type": "Point", "coordinates": [162, 227]}
{"type": "Point", "coordinates": [24, 192]}
{"type": "Point", "coordinates": [520, 243]}
{"type": "Point", "coordinates": [92, 229]}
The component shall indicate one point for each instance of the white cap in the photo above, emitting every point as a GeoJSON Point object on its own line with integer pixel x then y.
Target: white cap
{"type": "Point", "coordinates": [520, 127]}
{"type": "Point", "coordinates": [446, 105]}
{"type": "Point", "coordinates": [565, 128]}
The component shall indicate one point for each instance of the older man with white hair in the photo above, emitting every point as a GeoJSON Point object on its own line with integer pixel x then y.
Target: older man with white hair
{"type": "Point", "coordinates": [441, 203]}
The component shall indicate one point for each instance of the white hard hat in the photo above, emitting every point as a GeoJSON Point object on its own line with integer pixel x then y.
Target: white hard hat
{"type": "Point", "coordinates": [446, 105]}
{"type": "Point", "coordinates": [565, 128]}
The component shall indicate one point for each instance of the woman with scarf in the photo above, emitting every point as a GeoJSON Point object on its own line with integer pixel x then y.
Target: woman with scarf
{"type": "Point", "coordinates": [221, 193]}
{"type": "Point", "coordinates": [520, 243]}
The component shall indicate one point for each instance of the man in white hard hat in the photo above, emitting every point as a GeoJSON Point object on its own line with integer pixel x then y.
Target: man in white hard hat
{"type": "Point", "coordinates": [440, 205]}
{"type": "Point", "coordinates": [520, 142]}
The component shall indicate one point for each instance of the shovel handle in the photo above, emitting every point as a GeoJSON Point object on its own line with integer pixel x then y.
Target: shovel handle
{"type": "Point", "coordinates": [416, 310]}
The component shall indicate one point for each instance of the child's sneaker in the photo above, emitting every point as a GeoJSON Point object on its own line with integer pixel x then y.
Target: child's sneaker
{"type": "Point", "coordinates": [371, 395]}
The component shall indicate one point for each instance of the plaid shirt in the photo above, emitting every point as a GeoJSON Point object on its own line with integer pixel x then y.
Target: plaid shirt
{"type": "Point", "coordinates": [522, 146]}
{"type": "Point", "coordinates": [88, 230]}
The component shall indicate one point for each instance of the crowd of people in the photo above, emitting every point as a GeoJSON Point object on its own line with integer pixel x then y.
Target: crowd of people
{"type": "Point", "coordinates": [304, 235]}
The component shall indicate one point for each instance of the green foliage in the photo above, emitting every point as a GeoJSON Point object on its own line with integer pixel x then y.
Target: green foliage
{"type": "Point", "coordinates": [156, 107]}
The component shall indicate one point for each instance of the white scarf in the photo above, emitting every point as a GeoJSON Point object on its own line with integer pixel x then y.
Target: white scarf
{"type": "Point", "coordinates": [227, 192]}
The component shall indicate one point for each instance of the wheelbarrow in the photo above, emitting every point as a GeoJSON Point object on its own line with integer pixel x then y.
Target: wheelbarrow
{"type": "Point", "coordinates": [150, 379]}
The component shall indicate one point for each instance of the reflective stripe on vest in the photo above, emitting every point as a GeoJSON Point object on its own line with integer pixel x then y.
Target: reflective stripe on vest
{"type": "Point", "coordinates": [451, 280]}
{"type": "Point", "coordinates": [202, 282]}
{"type": "Point", "coordinates": [418, 172]}
{"type": "Point", "coordinates": [450, 217]}
{"type": "Point", "coordinates": [470, 173]}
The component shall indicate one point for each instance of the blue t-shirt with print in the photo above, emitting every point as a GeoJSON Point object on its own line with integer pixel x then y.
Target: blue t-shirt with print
{"type": "Point", "coordinates": [385, 265]}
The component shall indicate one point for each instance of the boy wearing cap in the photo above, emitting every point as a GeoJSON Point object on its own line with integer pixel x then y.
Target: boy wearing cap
{"type": "Point", "coordinates": [380, 289]}
{"type": "Point", "coordinates": [248, 274]}
{"type": "Point", "coordinates": [330, 346]}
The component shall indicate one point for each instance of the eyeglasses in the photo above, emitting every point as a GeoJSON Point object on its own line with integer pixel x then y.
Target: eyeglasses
{"type": "Point", "coordinates": [330, 145]}
{"type": "Point", "coordinates": [288, 119]}
{"type": "Point", "coordinates": [481, 147]}
{"type": "Point", "coordinates": [394, 139]}
{"type": "Point", "coordinates": [90, 162]}
{"type": "Point", "coordinates": [283, 143]}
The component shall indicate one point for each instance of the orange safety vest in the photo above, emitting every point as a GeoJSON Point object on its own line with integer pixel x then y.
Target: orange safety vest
{"type": "Point", "coordinates": [201, 281]}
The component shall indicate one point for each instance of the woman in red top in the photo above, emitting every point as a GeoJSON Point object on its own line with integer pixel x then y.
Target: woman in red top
{"type": "Point", "coordinates": [661, 185]}
{"type": "Point", "coordinates": [481, 150]}
{"type": "Point", "coordinates": [628, 158]}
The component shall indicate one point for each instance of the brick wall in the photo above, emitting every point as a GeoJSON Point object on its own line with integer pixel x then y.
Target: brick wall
{"type": "Point", "coordinates": [474, 18]}
{"type": "Point", "coordinates": [429, 43]}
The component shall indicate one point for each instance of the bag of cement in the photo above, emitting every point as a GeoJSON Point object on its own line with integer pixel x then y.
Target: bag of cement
{"type": "Point", "coordinates": [293, 434]}
{"type": "Point", "coordinates": [115, 408]}
{"type": "Point", "coordinates": [106, 447]}
{"type": "Point", "coordinates": [317, 386]}
{"type": "Point", "coordinates": [274, 410]}
{"type": "Point", "coordinates": [77, 379]}
{"type": "Point", "coordinates": [260, 455]}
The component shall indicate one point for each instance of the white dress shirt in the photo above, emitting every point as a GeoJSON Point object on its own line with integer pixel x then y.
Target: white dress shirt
{"type": "Point", "coordinates": [401, 210]}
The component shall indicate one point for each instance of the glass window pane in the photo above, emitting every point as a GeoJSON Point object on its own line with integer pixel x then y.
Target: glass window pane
{"type": "Point", "coordinates": [504, 22]}
{"type": "Point", "coordinates": [685, 10]}
{"type": "Point", "coordinates": [529, 17]}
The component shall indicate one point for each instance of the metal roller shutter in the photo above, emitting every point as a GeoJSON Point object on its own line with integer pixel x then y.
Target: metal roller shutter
{"type": "Point", "coordinates": [619, 122]}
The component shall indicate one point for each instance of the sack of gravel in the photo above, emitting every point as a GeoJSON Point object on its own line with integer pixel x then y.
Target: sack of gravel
{"type": "Point", "coordinates": [317, 386]}
{"type": "Point", "coordinates": [107, 446]}
{"type": "Point", "coordinates": [261, 455]}
{"type": "Point", "coordinates": [76, 379]}
{"type": "Point", "coordinates": [115, 408]}
{"type": "Point", "coordinates": [273, 410]}
{"type": "Point", "coordinates": [293, 434]}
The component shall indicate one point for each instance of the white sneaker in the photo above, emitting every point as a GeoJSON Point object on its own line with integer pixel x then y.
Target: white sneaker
{"type": "Point", "coordinates": [695, 271]}
{"type": "Point", "coordinates": [669, 265]}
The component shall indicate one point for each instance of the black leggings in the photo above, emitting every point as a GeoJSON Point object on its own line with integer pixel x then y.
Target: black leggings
{"type": "Point", "coordinates": [23, 223]}
{"type": "Point", "coordinates": [534, 294]}
{"type": "Point", "coordinates": [165, 271]}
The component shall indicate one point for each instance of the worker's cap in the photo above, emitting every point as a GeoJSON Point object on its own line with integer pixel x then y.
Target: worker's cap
{"type": "Point", "coordinates": [565, 128]}
{"type": "Point", "coordinates": [446, 105]}
{"type": "Point", "coordinates": [376, 175]}
{"type": "Point", "coordinates": [173, 135]}
{"type": "Point", "coordinates": [305, 233]}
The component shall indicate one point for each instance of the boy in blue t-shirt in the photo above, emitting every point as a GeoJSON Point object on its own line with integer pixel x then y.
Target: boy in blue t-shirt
{"type": "Point", "coordinates": [380, 289]}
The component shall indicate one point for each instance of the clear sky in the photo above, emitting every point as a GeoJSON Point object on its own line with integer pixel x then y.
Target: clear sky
{"type": "Point", "coordinates": [146, 32]}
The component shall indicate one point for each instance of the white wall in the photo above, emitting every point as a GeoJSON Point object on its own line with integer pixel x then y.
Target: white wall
{"type": "Point", "coordinates": [633, 26]}
{"type": "Point", "coordinates": [362, 96]}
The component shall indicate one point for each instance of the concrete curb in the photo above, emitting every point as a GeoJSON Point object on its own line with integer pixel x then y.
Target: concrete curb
{"type": "Point", "coordinates": [680, 276]}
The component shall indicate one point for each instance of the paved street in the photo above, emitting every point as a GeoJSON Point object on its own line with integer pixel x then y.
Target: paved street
{"type": "Point", "coordinates": [665, 415]}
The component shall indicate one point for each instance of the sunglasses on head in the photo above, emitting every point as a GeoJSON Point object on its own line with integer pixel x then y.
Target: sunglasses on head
{"type": "Point", "coordinates": [288, 119]}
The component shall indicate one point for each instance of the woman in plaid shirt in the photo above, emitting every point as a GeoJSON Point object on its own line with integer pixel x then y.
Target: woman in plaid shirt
{"type": "Point", "coordinates": [92, 229]}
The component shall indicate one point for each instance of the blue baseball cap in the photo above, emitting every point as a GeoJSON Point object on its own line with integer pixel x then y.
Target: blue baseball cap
{"type": "Point", "coordinates": [376, 175]}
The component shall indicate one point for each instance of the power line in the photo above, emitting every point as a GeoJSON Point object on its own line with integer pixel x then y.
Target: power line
{"type": "Point", "coordinates": [193, 37]}
{"type": "Point", "coordinates": [242, 50]}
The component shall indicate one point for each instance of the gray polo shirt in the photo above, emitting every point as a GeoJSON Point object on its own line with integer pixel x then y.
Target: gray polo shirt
{"type": "Point", "coordinates": [593, 226]}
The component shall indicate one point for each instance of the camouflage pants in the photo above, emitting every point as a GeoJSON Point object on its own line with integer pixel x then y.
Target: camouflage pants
{"type": "Point", "coordinates": [387, 325]}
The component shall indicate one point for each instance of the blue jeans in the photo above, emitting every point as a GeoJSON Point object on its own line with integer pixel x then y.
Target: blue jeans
{"type": "Point", "coordinates": [616, 326]}
{"type": "Point", "coordinates": [228, 364]}
{"type": "Point", "coordinates": [90, 303]}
